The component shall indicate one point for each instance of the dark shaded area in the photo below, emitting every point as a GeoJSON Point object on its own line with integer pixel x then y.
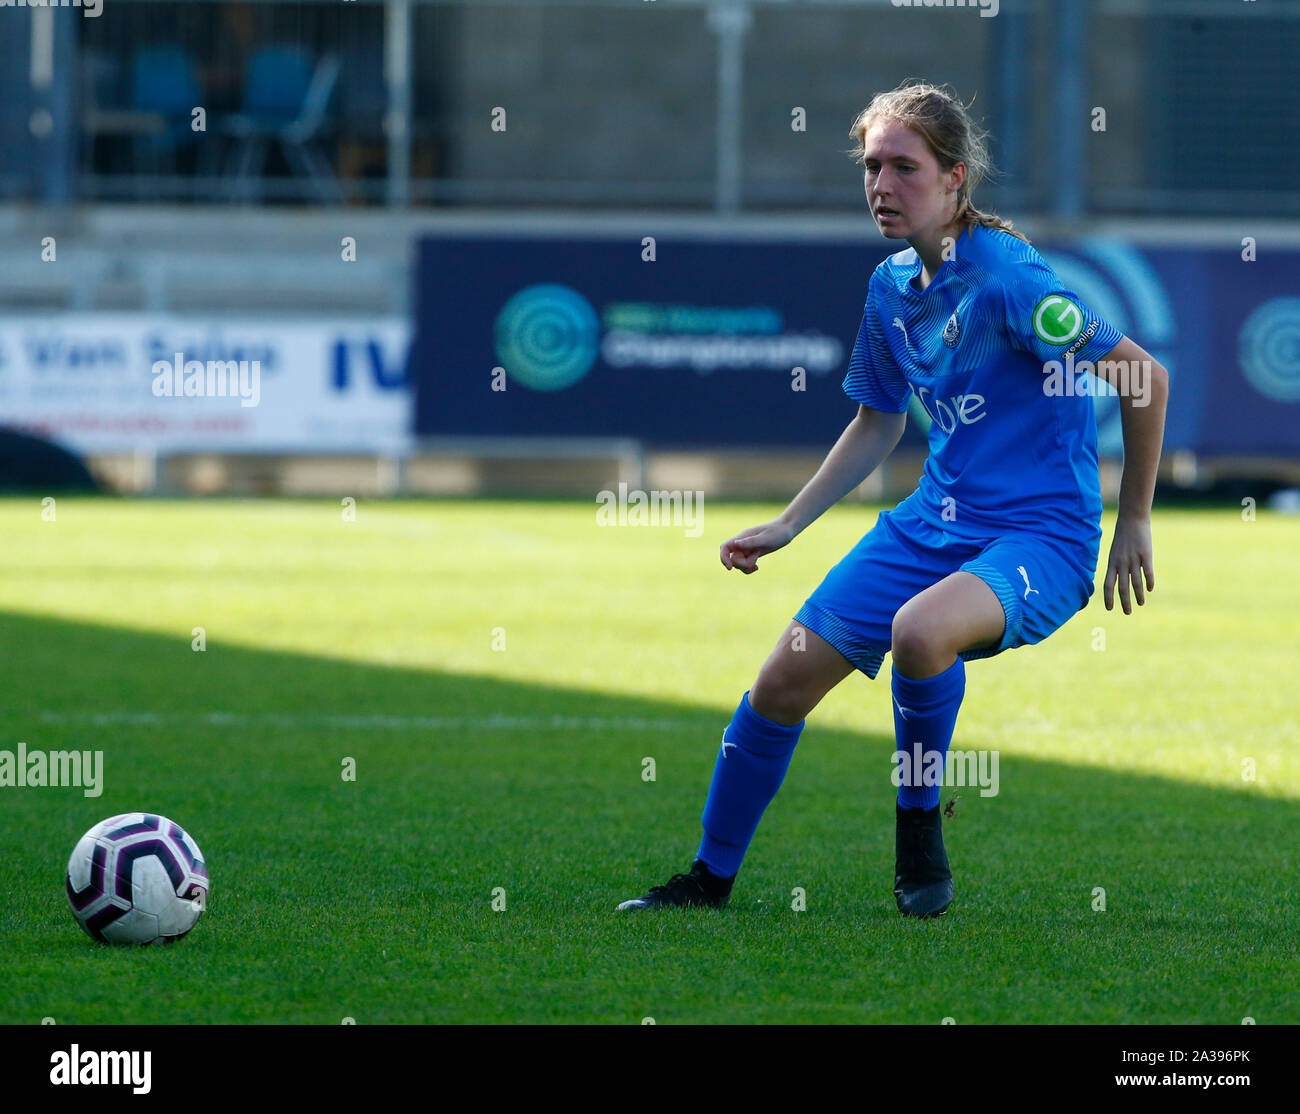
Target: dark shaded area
{"type": "Point", "coordinates": [470, 782]}
{"type": "Point", "coordinates": [31, 464]}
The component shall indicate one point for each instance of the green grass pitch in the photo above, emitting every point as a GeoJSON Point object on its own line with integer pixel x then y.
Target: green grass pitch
{"type": "Point", "coordinates": [516, 768]}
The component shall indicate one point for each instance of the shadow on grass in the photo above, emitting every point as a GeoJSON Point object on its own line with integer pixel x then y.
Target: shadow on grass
{"type": "Point", "coordinates": [465, 784]}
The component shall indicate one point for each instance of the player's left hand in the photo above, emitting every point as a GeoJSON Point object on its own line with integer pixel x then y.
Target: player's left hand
{"type": "Point", "coordinates": [1130, 560]}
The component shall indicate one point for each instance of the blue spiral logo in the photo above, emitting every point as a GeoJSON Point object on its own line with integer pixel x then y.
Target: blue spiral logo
{"type": "Point", "coordinates": [1269, 349]}
{"type": "Point", "coordinates": [547, 337]}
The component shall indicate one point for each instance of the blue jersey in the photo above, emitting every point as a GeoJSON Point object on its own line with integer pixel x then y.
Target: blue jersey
{"type": "Point", "coordinates": [976, 346]}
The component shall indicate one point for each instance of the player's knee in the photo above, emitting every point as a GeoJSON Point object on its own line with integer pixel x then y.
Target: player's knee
{"type": "Point", "coordinates": [780, 694]}
{"type": "Point", "coordinates": [916, 638]}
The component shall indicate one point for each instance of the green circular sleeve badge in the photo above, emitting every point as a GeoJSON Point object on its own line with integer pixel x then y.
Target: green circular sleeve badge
{"type": "Point", "coordinates": [1057, 320]}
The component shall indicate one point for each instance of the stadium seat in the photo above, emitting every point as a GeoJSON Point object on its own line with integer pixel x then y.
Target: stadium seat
{"type": "Point", "coordinates": [286, 99]}
{"type": "Point", "coordinates": [164, 89]}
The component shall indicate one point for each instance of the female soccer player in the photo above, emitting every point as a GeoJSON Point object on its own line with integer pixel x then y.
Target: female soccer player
{"type": "Point", "coordinates": [998, 545]}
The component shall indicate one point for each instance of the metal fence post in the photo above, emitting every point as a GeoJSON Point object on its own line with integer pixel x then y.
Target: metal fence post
{"type": "Point", "coordinates": [397, 120]}
{"type": "Point", "coordinates": [1009, 56]}
{"type": "Point", "coordinates": [1070, 50]}
{"type": "Point", "coordinates": [730, 19]}
{"type": "Point", "coordinates": [52, 60]}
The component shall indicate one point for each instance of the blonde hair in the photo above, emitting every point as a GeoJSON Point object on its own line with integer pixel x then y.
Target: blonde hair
{"type": "Point", "coordinates": [951, 133]}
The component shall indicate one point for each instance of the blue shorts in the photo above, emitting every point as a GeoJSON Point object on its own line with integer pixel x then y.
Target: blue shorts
{"type": "Point", "coordinates": [1040, 580]}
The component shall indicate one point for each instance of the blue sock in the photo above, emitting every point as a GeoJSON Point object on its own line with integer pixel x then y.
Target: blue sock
{"type": "Point", "coordinates": [925, 713]}
{"type": "Point", "coordinates": [751, 765]}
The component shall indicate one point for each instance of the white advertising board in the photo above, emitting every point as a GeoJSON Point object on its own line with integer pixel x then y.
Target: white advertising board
{"type": "Point", "coordinates": [120, 382]}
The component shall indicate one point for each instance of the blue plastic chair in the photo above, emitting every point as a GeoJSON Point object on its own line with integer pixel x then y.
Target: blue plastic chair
{"type": "Point", "coordinates": [163, 83]}
{"type": "Point", "coordinates": [275, 85]}
{"type": "Point", "coordinates": [286, 99]}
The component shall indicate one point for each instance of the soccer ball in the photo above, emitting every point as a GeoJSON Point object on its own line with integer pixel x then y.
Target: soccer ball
{"type": "Point", "coordinates": [137, 879]}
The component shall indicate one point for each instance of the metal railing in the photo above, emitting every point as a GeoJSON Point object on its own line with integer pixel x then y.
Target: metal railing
{"type": "Point", "coordinates": [625, 103]}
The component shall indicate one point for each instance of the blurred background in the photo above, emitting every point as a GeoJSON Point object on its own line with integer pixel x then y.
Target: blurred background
{"type": "Point", "coordinates": [551, 245]}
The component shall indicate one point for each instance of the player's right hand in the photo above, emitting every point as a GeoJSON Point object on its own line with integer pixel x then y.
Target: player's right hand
{"type": "Point", "coordinates": [743, 551]}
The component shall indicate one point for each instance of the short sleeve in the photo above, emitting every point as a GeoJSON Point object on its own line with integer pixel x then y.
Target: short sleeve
{"type": "Point", "coordinates": [874, 379]}
{"type": "Point", "coordinates": [1049, 322]}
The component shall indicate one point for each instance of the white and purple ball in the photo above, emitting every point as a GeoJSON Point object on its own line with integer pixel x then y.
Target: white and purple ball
{"type": "Point", "coordinates": [137, 879]}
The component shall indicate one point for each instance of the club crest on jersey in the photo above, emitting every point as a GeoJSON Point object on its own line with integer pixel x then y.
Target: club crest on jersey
{"type": "Point", "coordinates": [952, 332]}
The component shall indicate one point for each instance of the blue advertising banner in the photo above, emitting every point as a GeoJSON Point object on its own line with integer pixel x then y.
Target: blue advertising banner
{"type": "Point", "coordinates": [724, 343]}
{"type": "Point", "coordinates": [699, 347]}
